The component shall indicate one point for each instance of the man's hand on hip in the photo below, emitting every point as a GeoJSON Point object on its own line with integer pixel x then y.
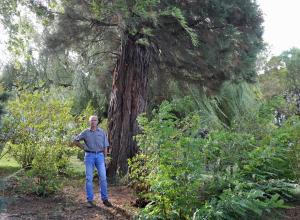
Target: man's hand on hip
{"type": "Point", "coordinates": [107, 161]}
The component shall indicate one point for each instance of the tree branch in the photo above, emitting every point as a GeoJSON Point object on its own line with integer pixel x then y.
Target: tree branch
{"type": "Point", "coordinates": [95, 22]}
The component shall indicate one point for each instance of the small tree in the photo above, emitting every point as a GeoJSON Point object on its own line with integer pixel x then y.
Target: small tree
{"type": "Point", "coordinates": [39, 127]}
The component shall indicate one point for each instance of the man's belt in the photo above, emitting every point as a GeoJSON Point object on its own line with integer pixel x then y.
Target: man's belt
{"type": "Point", "coordinates": [94, 152]}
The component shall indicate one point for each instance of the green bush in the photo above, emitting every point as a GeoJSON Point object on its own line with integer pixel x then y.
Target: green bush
{"type": "Point", "coordinates": [238, 204]}
{"type": "Point", "coordinates": [37, 119]}
{"type": "Point", "coordinates": [229, 174]}
{"type": "Point", "coordinates": [175, 159]}
{"type": "Point", "coordinates": [40, 127]}
{"type": "Point", "coordinates": [279, 156]}
{"type": "Point", "coordinates": [138, 172]}
{"type": "Point", "coordinates": [23, 153]}
{"type": "Point", "coordinates": [44, 172]}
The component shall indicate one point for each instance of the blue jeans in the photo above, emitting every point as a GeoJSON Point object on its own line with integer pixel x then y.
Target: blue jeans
{"type": "Point", "coordinates": [91, 160]}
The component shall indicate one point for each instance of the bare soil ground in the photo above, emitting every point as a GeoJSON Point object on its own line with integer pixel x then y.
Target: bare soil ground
{"type": "Point", "coordinates": [70, 203]}
{"type": "Point", "coordinates": [292, 213]}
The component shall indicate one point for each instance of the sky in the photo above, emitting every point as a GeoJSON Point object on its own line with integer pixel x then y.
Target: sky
{"type": "Point", "coordinates": [281, 26]}
{"type": "Point", "coordinates": [3, 39]}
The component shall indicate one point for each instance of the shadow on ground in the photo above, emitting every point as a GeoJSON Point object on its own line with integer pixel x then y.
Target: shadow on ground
{"type": "Point", "coordinates": [70, 203]}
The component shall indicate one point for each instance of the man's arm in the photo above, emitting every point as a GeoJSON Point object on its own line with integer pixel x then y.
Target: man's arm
{"type": "Point", "coordinates": [78, 144]}
{"type": "Point", "coordinates": [77, 140]}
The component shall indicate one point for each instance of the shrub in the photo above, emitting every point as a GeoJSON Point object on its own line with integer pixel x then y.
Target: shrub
{"type": "Point", "coordinates": [39, 126]}
{"type": "Point", "coordinates": [44, 172]}
{"type": "Point", "coordinates": [229, 174]}
{"type": "Point", "coordinates": [138, 172]}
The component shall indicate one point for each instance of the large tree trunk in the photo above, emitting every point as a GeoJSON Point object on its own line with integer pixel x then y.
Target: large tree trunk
{"type": "Point", "coordinates": [128, 100]}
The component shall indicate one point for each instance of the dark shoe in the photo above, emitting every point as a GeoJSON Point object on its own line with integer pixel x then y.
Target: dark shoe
{"type": "Point", "coordinates": [107, 203]}
{"type": "Point", "coordinates": [91, 204]}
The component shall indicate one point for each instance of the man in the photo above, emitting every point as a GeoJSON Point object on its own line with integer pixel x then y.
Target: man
{"type": "Point", "coordinates": [95, 148]}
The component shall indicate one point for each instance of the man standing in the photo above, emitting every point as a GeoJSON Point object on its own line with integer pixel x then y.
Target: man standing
{"type": "Point", "coordinates": [95, 148]}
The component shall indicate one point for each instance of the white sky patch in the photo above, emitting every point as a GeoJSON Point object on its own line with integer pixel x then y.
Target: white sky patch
{"type": "Point", "coordinates": [281, 26]}
{"type": "Point", "coordinates": [26, 14]}
{"type": "Point", "coordinates": [4, 55]}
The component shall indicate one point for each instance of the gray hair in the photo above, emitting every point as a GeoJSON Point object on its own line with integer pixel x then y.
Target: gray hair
{"type": "Point", "coordinates": [93, 116]}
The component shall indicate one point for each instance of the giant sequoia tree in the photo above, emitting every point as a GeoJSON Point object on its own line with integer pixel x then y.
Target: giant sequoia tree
{"type": "Point", "coordinates": [203, 42]}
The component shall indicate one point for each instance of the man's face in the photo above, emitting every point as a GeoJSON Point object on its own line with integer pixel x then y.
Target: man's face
{"type": "Point", "coordinates": [94, 121]}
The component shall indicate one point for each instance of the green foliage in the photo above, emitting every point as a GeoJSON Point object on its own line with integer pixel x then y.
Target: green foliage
{"type": "Point", "coordinates": [138, 173]}
{"type": "Point", "coordinates": [279, 156]}
{"type": "Point", "coordinates": [31, 122]}
{"type": "Point", "coordinates": [229, 174]}
{"type": "Point", "coordinates": [39, 127]}
{"type": "Point", "coordinates": [238, 100]}
{"type": "Point", "coordinates": [145, 7]}
{"type": "Point", "coordinates": [164, 141]}
{"type": "Point", "coordinates": [178, 15]}
{"type": "Point", "coordinates": [234, 102]}
{"type": "Point", "coordinates": [45, 169]}
{"type": "Point", "coordinates": [281, 74]}
{"type": "Point", "coordinates": [273, 81]}
{"type": "Point", "coordinates": [238, 204]}
{"type": "Point", "coordinates": [291, 59]}
{"type": "Point", "coordinates": [198, 42]}
{"type": "Point", "coordinates": [21, 29]}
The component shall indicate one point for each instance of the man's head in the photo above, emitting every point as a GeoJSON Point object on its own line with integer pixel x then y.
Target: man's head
{"type": "Point", "coordinates": [93, 121]}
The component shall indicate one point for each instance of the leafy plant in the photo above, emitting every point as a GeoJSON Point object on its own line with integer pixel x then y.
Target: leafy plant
{"type": "Point", "coordinates": [39, 127]}
{"type": "Point", "coordinates": [44, 172]}
{"type": "Point", "coordinates": [227, 174]}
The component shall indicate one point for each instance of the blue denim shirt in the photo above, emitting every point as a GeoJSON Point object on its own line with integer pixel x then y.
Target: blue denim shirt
{"type": "Point", "coordinates": [94, 140]}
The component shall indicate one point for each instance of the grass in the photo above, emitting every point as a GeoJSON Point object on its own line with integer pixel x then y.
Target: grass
{"type": "Point", "coordinates": [8, 165]}
{"type": "Point", "coordinates": [76, 167]}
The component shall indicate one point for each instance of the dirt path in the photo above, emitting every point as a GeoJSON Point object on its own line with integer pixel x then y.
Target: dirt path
{"type": "Point", "coordinates": [70, 204]}
{"type": "Point", "coordinates": [292, 213]}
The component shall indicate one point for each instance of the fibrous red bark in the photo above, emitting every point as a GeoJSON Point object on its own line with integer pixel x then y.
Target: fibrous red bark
{"type": "Point", "coordinates": [128, 100]}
